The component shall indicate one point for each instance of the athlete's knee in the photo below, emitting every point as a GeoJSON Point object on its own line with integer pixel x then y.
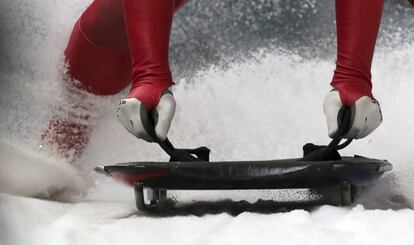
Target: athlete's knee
{"type": "Point", "coordinates": [103, 23]}
{"type": "Point", "coordinates": [100, 70]}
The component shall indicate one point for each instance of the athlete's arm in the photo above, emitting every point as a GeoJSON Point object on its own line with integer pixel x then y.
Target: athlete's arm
{"type": "Point", "coordinates": [148, 26]}
{"type": "Point", "coordinates": [358, 23]}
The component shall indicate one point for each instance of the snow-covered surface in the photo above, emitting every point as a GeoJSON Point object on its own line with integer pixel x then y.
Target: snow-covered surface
{"type": "Point", "coordinates": [107, 223]}
{"type": "Point", "coordinates": [28, 174]}
{"type": "Point", "coordinates": [262, 108]}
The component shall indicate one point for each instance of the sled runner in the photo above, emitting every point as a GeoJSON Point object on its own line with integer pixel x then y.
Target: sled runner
{"type": "Point", "coordinates": [336, 179]}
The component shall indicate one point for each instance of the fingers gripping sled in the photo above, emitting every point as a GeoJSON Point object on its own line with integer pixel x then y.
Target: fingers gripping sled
{"type": "Point", "coordinates": [335, 179]}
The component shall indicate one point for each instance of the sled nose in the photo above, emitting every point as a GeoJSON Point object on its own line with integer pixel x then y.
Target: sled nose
{"type": "Point", "coordinates": [101, 170]}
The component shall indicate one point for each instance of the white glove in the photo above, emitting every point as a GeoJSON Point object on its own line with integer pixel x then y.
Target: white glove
{"type": "Point", "coordinates": [133, 115]}
{"type": "Point", "coordinates": [366, 115]}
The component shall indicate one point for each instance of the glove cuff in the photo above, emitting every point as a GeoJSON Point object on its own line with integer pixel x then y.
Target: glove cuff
{"type": "Point", "coordinates": [149, 92]}
{"type": "Point", "coordinates": [350, 93]}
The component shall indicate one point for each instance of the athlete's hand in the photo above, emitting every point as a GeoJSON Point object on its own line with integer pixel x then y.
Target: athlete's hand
{"type": "Point", "coordinates": [133, 115]}
{"type": "Point", "coordinates": [366, 115]}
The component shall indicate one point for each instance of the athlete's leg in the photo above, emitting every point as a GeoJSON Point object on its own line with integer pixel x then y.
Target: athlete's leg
{"type": "Point", "coordinates": [357, 23]}
{"type": "Point", "coordinates": [98, 53]}
{"type": "Point", "coordinates": [70, 124]}
{"type": "Point", "coordinates": [103, 24]}
{"type": "Point", "coordinates": [98, 62]}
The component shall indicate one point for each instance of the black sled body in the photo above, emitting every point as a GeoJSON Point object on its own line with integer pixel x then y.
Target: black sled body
{"type": "Point", "coordinates": [273, 174]}
{"type": "Point", "coordinates": [321, 169]}
{"type": "Point", "coordinates": [338, 181]}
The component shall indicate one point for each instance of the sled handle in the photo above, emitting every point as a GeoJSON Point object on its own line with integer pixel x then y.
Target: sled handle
{"type": "Point", "coordinates": [345, 114]}
{"type": "Point", "coordinates": [200, 154]}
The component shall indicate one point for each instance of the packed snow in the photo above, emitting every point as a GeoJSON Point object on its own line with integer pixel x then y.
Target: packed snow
{"type": "Point", "coordinates": [263, 107]}
{"type": "Point", "coordinates": [39, 222]}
